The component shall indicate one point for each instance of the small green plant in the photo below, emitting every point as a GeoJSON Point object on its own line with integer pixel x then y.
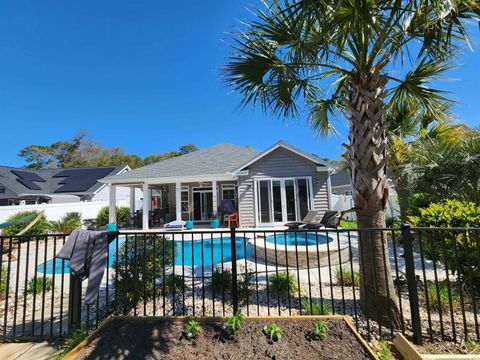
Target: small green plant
{"type": "Point", "coordinates": [440, 301]}
{"type": "Point", "coordinates": [174, 283]}
{"type": "Point", "coordinates": [320, 329]}
{"type": "Point", "coordinates": [384, 352]}
{"type": "Point", "coordinates": [346, 277]}
{"type": "Point", "coordinates": [38, 286]}
{"type": "Point", "coordinates": [76, 338]}
{"type": "Point", "coordinates": [192, 329]}
{"type": "Point", "coordinates": [473, 347]}
{"type": "Point", "coordinates": [273, 331]}
{"type": "Point", "coordinates": [234, 323]}
{"type": "Point", "coordinates": [283, 284]}
{"type": "Point", "coordinates": [317, 308]}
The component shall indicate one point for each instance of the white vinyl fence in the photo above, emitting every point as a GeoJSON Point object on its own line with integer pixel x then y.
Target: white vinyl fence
{"type": "Point", "coordinates": [88, 210]}
{"type": "Point", "coordinates": [345, 202]}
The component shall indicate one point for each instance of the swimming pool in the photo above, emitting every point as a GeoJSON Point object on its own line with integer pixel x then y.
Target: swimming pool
{"type": "Point", "coordinates": [210, 251]}
{"type": "Point", "coordinates": [302, 238]}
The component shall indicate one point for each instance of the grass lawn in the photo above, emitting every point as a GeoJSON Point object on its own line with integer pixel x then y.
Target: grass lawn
{"type": "Point", "coordinates": [348, 224]}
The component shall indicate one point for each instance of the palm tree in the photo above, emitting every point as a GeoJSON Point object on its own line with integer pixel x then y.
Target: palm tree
{"type": "Point", "coordinates": [347, 57]}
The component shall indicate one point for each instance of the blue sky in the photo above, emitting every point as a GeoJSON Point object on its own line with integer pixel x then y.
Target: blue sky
{"type": "Point", "coordinates": [144, 75]}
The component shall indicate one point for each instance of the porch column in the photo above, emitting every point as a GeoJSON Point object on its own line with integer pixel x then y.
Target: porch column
{"type": "Point", "coordinates": [147, 200]}
{"type": "Point", "coordinates": [178, 201]}
{"type": "Point", "coordinates": [112, 204]}
{"type": "Point", "coordinates": [214, 197]}
{"type": "Point", "coordinates": [132, 199]}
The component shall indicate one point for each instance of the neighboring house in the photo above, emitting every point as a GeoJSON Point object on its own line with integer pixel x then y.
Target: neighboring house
{"type": "Point", "coordinates": [342, 194]}
{"type": "Point", "coordinates": [275, 186]}
{"type": "Point", "coordinates": [341, 182]}
{"type": "Point", "coordinates": [19, 186]}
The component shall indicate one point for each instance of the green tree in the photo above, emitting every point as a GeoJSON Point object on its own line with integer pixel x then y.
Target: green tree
{"type": "Point", "coordinates": [83, 151]}
{"type": "Point", "coordinates": [345, 57]}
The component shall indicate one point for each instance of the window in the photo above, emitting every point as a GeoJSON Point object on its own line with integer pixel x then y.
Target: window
{"type": "Point", "coordinates": [282, 200]}
{"type": "Point", "coordinates": [185, 203]}
{"type": "Point", "coordinates": [229, 192]}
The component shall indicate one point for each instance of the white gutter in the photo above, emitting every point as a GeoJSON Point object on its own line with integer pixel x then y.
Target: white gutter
{"type": "Point", "coordinates": [170, 180]}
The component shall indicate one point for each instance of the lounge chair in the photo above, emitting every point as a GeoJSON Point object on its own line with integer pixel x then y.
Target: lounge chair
{"type": "Point", "coordinates": [175, 225]}
{"type": "Point", "coordinates": [331, 219]}
{"type": "Point", "coordinates": [307, 219]}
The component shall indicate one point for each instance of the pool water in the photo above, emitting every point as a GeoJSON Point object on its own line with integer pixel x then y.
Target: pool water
{"type": "Point", "coordinates": [215, 251]}
{"type": "Point", "coordinates": [302, 239]}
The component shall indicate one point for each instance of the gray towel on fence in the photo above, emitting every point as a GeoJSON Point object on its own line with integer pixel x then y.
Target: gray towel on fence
{"type": "Point", "coordinates": [87, 252]}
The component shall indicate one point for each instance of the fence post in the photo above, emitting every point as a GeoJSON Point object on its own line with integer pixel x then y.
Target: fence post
{"type": "Point", "coordinates": [233, 247]}
{"type": "Point", "coordinates": [75, 304]}
{"type": "Point", "coordinates": [412, 284]}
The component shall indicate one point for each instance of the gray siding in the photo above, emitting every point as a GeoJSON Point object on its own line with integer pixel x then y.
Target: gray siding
{"type": "Point", "coordinates": [280, 163]}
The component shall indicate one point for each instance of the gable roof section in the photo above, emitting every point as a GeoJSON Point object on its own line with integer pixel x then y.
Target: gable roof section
{"type": "Point", "coordinates": [320, 162]}
{"type": "Point", "coordinates": [222, 159]}
{"type": "Point", "coordinates": [75, 181]}
{"type": "Point", "coordinates": [341, 178]}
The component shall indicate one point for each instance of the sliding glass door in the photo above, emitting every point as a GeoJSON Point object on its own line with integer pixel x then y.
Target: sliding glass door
{"type": "Point", "coordinates": [282, 200]}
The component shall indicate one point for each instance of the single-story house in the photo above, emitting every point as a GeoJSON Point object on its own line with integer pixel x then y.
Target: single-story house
{"type": "Point", "coordinates": [274, 186]}
{"type": "Point", "coordinates": [22, 186]}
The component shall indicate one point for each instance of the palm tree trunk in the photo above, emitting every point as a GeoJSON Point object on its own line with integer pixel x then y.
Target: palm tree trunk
{"type": "Point", "coordinates": [368, 158]}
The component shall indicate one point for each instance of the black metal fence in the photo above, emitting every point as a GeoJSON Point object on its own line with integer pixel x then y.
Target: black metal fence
{"type": "Point", "coordinates": [435, 276]}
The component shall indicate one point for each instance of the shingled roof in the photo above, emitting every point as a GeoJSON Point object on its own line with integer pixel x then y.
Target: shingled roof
{"type": "Point", "coordinates": [75, 181]}
{"type": "Point", "coordinates": [215, 160]}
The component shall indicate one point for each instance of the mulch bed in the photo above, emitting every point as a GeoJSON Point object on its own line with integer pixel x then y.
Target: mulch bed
{"type": "Point", "coordinates": [159, 339]}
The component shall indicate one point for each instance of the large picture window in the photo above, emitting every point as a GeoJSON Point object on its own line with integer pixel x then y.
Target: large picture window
{"type": "Point", "coordinates": [282, 200]}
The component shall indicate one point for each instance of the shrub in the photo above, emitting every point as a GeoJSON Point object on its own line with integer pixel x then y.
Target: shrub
{"type": "Point", "coordinates": [192, 329]}
{"type": "Point", "coordinates": [38, 286]}
{"type": "Point", "coordinates": [102, 217]}
{"type": "Point", "coordinates": [234, 323]}
{"type": "Point", "coordinates": [69, 222]}
{"type": "Point", "coordinates": [273, 331]}
{"type": "Point", "coordinates": [320, 329]}
{"type": "Point", "coordinates": [440, 301]}
{"type": "Point", "coordinates": [174, 283]}
{"type": "Point", "coordinates": [137, 274]}
{"type": "Point", "coordinates": [222, 281]}
{"type": "Point", "coordinates": [346, 277]}
{"type": "Point", "coordinates": [461, 254]}
{"type": "Point", "coordinates": [3, 282]}
{"type": "Point", "coordinates": [393, 222]}
{"type": "Point", "coordinates": [283, 284]}
{"type": "Point", "coordinates": [245, 282]}
{"type": "Point", "coordinates": [317, 307]}
{"type": "Point", "coordinates": [38, 228]}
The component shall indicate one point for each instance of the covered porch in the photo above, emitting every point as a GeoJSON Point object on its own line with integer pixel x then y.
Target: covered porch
{"type": "Point", "coordinates": [196, 200]}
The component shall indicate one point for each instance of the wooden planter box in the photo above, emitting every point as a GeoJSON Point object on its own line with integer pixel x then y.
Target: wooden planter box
{"type": "Point", "coordinates": [206, 321]}
{"type": "Point", "coordinates": [408, 351]}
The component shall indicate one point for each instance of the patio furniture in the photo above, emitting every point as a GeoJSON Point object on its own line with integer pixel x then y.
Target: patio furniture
{"type": "Point", "coordinates": [175, 225]}
{"type": "Point", "coordinates": [307, 219]}
{"type": "Point", "coordinates": [331, 219]}
{"type": "Point", "coordinates": [232, 219]}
